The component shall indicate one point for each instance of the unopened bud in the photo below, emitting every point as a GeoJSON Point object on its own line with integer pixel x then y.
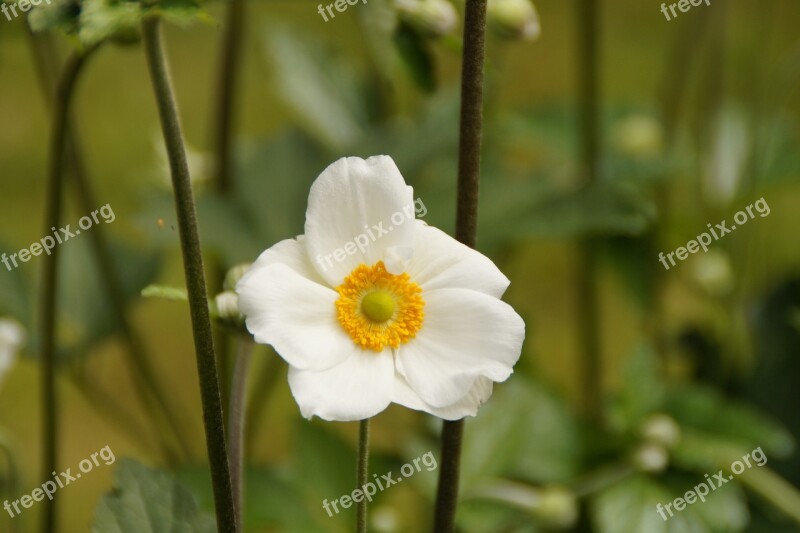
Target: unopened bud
{"type": "Point", "coordinates": [433, 18]}
{"type": "Point", "coordinates": [639, 136]}
{"type": "Point", "coordinates": [234, 275]}
{"type": "Point", "coordinates": [513, 19]}
{"type": "Point", "coordinates": [228, 308]}
{"type": "Point", "coordinates": [557, 507]}
{"type": "Point", "coordinates": [651, 458]}
{"type": "Point", "coordinates": [661, 429]}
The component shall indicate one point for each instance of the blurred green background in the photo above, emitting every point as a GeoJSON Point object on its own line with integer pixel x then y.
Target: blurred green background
{"type": "Point", "coordinates": [699, 119]}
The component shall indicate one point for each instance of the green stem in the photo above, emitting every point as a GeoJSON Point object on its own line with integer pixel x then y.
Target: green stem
{"type": "Point", "coordinates": [63, 97]}
{"type": "Point", "coordinates": [469, 163]}
{"type": "Point", "coordinates": [13, 474]}
{"type": "Point", "coordinates": [227, 78]}
{"type": "Point", "coordinates": [265, 383]}
{"type": "Point", "coordinates": [148, 389]}
{"type": "Point", "coordinates": [226, 90]}
{"type": "Point", "coordinates": [236, 426]}
{"type": "Point", "coordinates": [589, 101]}
{"type": "Point", "coordinates": [362, 474]}
{"type": "Point", "coordinates": [195, 277]}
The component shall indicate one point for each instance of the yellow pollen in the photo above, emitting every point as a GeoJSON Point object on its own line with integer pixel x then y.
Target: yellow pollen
{"type": "Point", "coordinates": [378, 309]}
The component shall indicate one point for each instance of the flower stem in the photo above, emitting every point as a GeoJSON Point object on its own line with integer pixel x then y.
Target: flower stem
{"type": "Point", "coordinates": [148, 389]}
{"type": "Point", "coordinates": [227, 77]}
{"type": "Point", "coordinates": [469, 161]}
{"type": "Point", "coordinates": [236, 418]}
{"type": "Point", "coordinates": [195, 277]}
{"type": "Point", "coordinates": [12, 484]}
{"type": "Point", "coordinates": [587, 283]}
{"type": "Point", "coordinates": [362, 474]}
{"type": "Point", "coordinates": [65, 88]}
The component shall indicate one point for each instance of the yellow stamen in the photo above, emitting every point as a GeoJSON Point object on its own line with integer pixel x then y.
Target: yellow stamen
{"type": "Point", "coordinates": [378, 309]}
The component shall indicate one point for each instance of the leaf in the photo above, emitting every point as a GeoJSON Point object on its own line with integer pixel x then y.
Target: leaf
{"type": "Point", "coordinates": [272, 499]}
{"type": "Point", "coordinates": [103, 19]}
{"type": "Point", "coordinates": [630, 505]}
{"type": "Point", "coordinates": [85, 311]}
{"type": "Point", "coordinates": [416, 56]}
{"type": "Point", "coordinates": [149, 501]}
{"type": "Point", "coordinates": [720, 418]}
{"type": "Point", "coordinates": [524, 431]}
{"type": "Point", "coordinates": [60, 15]}
{"type": "Point", "coordinates": [642, 393]}
{"type": "Point", "coordinates": [320, 88]}
{"type": "Point", "coordinates": [173, 294]}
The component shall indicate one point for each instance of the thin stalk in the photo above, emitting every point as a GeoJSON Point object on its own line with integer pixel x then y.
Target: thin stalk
{"type": "Point", "coordinates": [362, 474]}
{"type": "Point", "coordinates": [236, 424]}
{"type": "Point", "coordinates": [12, 485]}
{"type": "Point", "coordinates": [227, 78]}
{"type": "Point", "coordinates": [587, 284]}
{"type": "Point", "coordinates": [265, 383]}
{"type": "Point", "coordinates": [148, 389]}
{"type": "Point", "coordinates": [195, 277]}
{"type": "Point", "coordinates": [65, 89]}
{"type": "Point", "coordinates": [469, 162]}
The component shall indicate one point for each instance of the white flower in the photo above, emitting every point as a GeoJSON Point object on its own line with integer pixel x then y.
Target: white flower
{"type": "Point", "coordinates": [12, 337]}
{"type": "Point", "coordinates": [372, 306]}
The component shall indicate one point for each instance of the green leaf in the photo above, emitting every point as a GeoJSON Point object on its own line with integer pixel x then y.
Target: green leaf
{"type": "Point", "coordinates": [630, 506]}
{"type": "Point", "coordinates": [720, 418]}
{"type": "Point", "coordinates": [320, 87]}
{"type": "Point", "coordinates": [103, 19]}
{"type": "Point", "coordinates": [416, 56]}
{"type": "Point", "coordinates": [642, 393]}
{"type": "Point", "coordinates": [173, 294]}
{"type": "Point", "coordinates": [524, 431]}
{"type": "Point", "coordinates": [181, 12]}
{"type": "Point", "coordinates": [149, 501]}
{"type": "Point", "coordinates": [60, 15]}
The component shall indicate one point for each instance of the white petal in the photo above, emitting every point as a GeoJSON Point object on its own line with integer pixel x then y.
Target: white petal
{"type": "Point", "coordinates": [292, 253]}
{"type": "Point", "coordinates": [480, 392]}
{"type": "Point", "coordinates": [466, 334]}
{"type": "Point", "coordinates": [355, 389]}
{"type": "Point", "coordinates": [441, 262]}
{"type": "Point", "coordinates": [357, 209]}
{"type": "Point", "coordinates": [295, 315]}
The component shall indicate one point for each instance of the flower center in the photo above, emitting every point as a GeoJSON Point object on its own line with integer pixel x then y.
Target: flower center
{"type": "Point", "coordinates": [378, 309]}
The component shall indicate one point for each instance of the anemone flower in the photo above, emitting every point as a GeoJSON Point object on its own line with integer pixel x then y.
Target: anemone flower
{"type": "Point", "coordinates": [373, 306]}
{"type": "Point", "coordinates": [12, 337]}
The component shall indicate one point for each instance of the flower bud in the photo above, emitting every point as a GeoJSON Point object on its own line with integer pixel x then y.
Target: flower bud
{"type": "Point", "coordinates": [661, 429]}
{"type": "Point", "coordinates": [651, 458]}
{"type": "Point", "coordinates": [227, 304]}
{"type": "Point", "coordinates": [513, 19]}
{"type": "Point", "coordinates": [557, 507]}
{"type": "Point", "coordinates": [712, 271]}
{"type": "Point", "coordinates": [12, 338]}
{"type": "Point", "coordinates": [234, 275]}
{"type": "Point", "coordinates": [433, 18]}
{"type": "Point", "coordinates": [639, 136]}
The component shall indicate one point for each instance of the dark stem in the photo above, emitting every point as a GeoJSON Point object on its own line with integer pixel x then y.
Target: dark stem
{"type": "Point", "coordinates": [227, 77]}
{"type": "Point", "coordinates": [469, 162]}
{"type": "Point", "coordinates": [362, 474]}
{"type": "Point", "coordinates": [147, 386]}
{"type": "Point", "coordinates": [236, 426]}
{"type": "Point", "coordinates": [65, 88]}
{"type": "Point", "coordinates": [195, 277]}
{"type": "Point", "coordinates": [589, 105]}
